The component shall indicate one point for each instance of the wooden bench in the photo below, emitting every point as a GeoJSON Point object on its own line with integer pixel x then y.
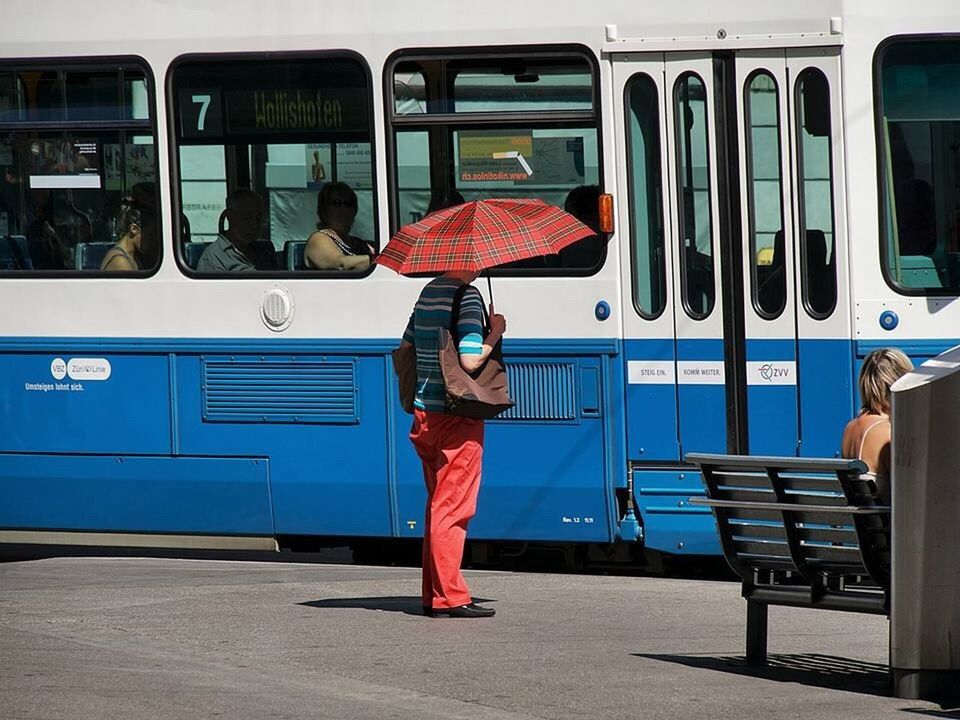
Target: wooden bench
{"type": "Point", "coordinates": [799, 532]}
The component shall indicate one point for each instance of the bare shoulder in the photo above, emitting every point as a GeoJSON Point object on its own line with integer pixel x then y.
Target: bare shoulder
{"type": "Point", "coordinates": [318, 238]}
{"type": "Point", "coordinates": [876, 447]}
{"type": "Point", "coordinates": [116, 261]}
{"type": "Point", "coordinates": [848, 441]}
{"type": "Point", "coordinates": [879, 434]}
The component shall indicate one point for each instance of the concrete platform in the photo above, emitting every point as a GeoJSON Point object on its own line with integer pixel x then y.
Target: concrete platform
{"type": "Point", "coordinates": [130, 638]}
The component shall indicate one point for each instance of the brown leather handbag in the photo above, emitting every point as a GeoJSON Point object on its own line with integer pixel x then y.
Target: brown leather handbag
{"type": "Point", "coordinates": [482, 394]}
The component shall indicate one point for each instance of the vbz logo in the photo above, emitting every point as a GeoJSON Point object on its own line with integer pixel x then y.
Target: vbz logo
{"type": "Point", "coordinates": [58, 368]}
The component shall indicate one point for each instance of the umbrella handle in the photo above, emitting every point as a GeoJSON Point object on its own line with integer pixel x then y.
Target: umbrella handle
{"type": "Point", "coordinates": [489, 289]}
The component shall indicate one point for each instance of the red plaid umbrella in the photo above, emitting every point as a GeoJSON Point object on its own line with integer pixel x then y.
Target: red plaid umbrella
{"type": "Point", "coordinates": [481, 234]}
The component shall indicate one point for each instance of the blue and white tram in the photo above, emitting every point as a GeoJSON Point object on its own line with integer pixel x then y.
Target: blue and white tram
{"type": "Point", "coordinates": [786, 193]}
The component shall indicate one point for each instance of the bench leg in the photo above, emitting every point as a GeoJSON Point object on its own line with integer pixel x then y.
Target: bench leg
{"type": "Point", "coordinates": [756, 633]}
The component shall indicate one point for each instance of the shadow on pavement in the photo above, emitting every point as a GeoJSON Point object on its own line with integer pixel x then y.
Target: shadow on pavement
{"type": "Point", "coordinates": [955, 713]}
{"type": "Point", "coordinates": [406, 604]}
{"type": "Point", "coordinates": [825, 671]}
{"type": "Point", "coordinates": [24, 553]}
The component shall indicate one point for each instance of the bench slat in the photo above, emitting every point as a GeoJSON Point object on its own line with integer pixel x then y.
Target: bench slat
{"type": "Point", "coordinates": [845, 534]}
{"type": "Point", "coordinates": [745, 528]}
{"type": "Point", "coordinates": [771, 549]}
{"type": "Point", "coordinates": [767, 562]}
{"type": "Point", "coordinates": [746, 496]}
{"type": "Point", "coordinates": [824, 511]}
{"type": "Point", "coordinates": [811, 483]}
{"type": "Point", "coordinates": [753, 514]}
{"type": "Point", "coordinates": [750, 514]}
{"type": "Point", "coordinates": [837, 569]}
{"type": "Point", "coordinates": [818, 500]}
{"type": "Point", "coordinates": [786, 464]}
{"type": "Point", "coordinates": [840, 553]}
{"type": "Point", "coordinates": [726, 478]}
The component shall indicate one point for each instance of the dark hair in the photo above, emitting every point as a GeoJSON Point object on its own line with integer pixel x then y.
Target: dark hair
{"type": "Point", "coordinates": [145, 193]}
{"type": "Point", "coordinates": [442, 201]}
{"type": "Point", "coordinates": [236, 198]}
{"type": "Point", "coordinates": [131, 213]}
{"type": "Point", "coordinates": [582, 200]}
{"type": "Point", "coordinates": [328, 191]}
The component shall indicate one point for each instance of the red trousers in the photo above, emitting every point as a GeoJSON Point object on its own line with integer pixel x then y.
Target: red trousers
{"type": "Point", "coordinates": [451, 449]}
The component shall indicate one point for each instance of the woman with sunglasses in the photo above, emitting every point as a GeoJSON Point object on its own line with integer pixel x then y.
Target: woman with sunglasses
{"type": "Point", "coordinates": [332, 247]}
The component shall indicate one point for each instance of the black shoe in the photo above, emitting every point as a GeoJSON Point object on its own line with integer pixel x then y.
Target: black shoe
{"type": "Point", "coordinates": [470, 610]}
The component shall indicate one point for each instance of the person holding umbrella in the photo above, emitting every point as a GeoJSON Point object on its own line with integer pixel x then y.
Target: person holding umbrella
{"type": "Point", "coordinates": [450, 447]}
{"type": "Point", "coordinates": [460, 242]}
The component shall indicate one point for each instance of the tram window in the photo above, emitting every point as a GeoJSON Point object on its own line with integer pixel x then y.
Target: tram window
{"type": "Point", "coordinates": [765, 194]}
{"type": "Point", "coordinates": [815, 167]}
{"type": "Point", "coordinates": [518, 84]}
{"type": "Point", "coordinates": [538, 113]}
{"type": "Point", "coordinates": [269, 134]}
{"type": "Point", "coordinates": [918, 138]}
{"type": "Point", "coordinates": [645, 194]}
{"type": "Point", "coordinates": [80, 195]}
{"type": "Point", "coordinates": [409, 93]}
{"type": "Point", "coordinates": [693, 177]}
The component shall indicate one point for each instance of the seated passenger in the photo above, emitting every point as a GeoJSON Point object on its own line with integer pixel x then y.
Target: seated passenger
{"type": "Point", "coordinates": [47, 249]}
{"type": "Point", "coordinates": [332, 247]}
{"type": "Point", "coordinates": [145, 195]}
{"type": "Point", "coordinates": [442, 201]}
{"type": "Point", "coordinates": [583, 203]}
{"type": "Point", "coordinates": [867, 436]}
{"type": "Point", "coordinates": [136, 227]}
{"type": "Point", "coordinates": [235, 249]}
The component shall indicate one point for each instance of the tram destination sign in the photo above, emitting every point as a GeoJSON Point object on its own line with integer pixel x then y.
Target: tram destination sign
{"type": "Point", "coordinates": [311, 113]}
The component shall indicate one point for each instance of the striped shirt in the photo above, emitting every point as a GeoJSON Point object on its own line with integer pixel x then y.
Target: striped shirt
{"type": "Point", "coordinates": [431, 313]}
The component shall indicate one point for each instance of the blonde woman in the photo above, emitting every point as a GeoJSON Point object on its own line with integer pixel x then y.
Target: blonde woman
{"type": "Point", "coordinates": [867, 436]}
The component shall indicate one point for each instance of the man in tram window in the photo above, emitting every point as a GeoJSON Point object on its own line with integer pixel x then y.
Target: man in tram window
{"type": "Point", "coordinates": [236, 248]}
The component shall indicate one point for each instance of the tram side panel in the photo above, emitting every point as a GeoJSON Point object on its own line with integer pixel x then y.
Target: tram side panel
{"type": "Point", "coordinates": [320, 419]}
{"type": "Point", "coordinates": [550, 463]}
{"type": "Point", "coordinates": [89, 446]}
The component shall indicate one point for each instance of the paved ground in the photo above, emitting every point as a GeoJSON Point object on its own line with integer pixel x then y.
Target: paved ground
{"type": "Point", "coordinates": [131, 638]}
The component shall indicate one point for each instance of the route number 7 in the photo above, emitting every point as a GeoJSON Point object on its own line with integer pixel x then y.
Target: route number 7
{"type": "Point", "coordinates": [204, 102]}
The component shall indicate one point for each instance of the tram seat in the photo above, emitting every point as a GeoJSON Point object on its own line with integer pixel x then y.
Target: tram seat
{"type": "Point", "coordinates": [919, 271]}
{"type": "Point", "coordinates": [14, 253]}
{"type": "Point", "coordinates": [192, 252]}
{"type": "Point", "coordinates": [293, 254]}
{"type": "Point", "coordinates": [89, 255]}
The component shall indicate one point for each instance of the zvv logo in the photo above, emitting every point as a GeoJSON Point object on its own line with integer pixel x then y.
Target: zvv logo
{"type": "Point", "coordinates": [770, 372]}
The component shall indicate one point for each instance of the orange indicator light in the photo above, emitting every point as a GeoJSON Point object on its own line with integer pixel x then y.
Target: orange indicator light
{"type": "Point", "coordinates": [606, 212]}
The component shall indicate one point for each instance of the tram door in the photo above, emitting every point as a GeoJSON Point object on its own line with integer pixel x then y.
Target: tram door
{"type": "Point", "coordinates": [734, 244]}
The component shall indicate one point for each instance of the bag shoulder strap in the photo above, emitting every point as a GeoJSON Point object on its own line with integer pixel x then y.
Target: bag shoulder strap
{"type": "Point", "coordinates": [455, 309]}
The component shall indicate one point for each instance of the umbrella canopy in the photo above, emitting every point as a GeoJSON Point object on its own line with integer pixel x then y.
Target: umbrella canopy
{"type": "Point", "coordinates": [481, 234]}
